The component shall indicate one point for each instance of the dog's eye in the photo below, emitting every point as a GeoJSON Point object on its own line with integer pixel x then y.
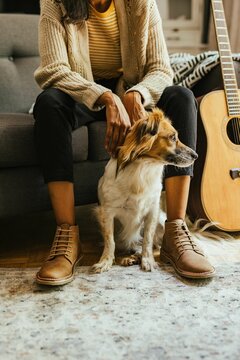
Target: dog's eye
{"type": "Point", "coordinates": [153, 132]}
{"type": "Point", "coordinates": [173, 138]}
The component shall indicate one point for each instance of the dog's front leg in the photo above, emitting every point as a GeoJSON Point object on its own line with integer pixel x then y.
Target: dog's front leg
{"type": "Point", "coordinates": [106, 221]}
{"type": "Point", "coordinates": [148, 263]}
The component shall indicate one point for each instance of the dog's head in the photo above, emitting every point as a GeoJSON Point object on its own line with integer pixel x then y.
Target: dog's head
{"type": "Point", "coordinates": [156, 138]}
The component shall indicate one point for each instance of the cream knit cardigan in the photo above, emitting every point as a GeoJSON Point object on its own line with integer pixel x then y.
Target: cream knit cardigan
{"type": "Point", "coordinates": [65, 62]}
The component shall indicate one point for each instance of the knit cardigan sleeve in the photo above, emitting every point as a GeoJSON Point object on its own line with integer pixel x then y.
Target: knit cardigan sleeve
{"type": "Point", "coordinates": [55, 70]}
{"type": "Point", "coordinates": [158, 71]}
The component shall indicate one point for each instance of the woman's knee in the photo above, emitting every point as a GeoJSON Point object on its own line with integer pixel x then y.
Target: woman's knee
{"type": "Point", "coordinates": [53, 109]}
{"type": "Point", "coordinates": [179, 105]}
{"type": "Point", "coordinates": [179, 95]}
{"type": "Point", "coordinates": [50, 100]}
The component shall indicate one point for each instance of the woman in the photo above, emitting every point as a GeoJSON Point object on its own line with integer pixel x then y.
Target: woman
{"type": "Point", "coordinates": [106, 59]}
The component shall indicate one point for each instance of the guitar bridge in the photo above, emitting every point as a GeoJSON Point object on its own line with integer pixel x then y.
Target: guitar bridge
{"type": "Point", "coordinates": [235, 173]}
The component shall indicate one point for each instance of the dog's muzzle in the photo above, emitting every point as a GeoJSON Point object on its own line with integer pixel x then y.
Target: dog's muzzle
{"type": "Point", "coordinates": [182, 157]}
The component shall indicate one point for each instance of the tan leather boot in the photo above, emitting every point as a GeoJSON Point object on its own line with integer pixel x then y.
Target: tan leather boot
{"type": "Point", "coordinates": [179, 249]}
{"type": "Point", "coordinates": [58, 269]}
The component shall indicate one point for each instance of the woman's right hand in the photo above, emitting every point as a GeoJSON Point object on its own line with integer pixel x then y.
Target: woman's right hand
{"type": "Point", "coordinates": [118, 121]}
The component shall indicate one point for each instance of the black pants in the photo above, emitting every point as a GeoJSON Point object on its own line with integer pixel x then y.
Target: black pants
{"type": "Point", "coordinates": [57, 115]}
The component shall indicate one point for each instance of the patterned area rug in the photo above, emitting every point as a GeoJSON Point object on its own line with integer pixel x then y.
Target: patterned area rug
{"type": "Point", "coordinates": [123, 314]}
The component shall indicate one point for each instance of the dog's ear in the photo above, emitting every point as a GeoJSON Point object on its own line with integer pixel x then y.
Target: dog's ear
{"type": "Point", "coordinates": [157, 114]}
{"type": "Point", "coordinates": [142, 130]}
{"type": "Point", "coordinates": [151, 125]}
{"type": "Point", "coordinates": [125, 155]}
{"type": "Point", "coordinates": [138, 141]}
{"type": "Point", "coordinates": [141, 137]}
{"type": "Point", "coordinates": [127, 152]}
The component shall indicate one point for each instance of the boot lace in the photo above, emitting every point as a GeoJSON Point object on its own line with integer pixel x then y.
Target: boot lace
{"type": "Point", "coordinates": [185, 242]}
{"type": "Point", "coordinates": [62, 244]}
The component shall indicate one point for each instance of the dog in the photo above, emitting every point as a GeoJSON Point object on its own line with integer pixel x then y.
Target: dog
{"type": "Point", "coordinates": [129, 190]}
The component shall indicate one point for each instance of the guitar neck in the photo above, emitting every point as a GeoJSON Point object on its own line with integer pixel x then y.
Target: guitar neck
{"type": "Point", "coordinates": [228, 72]}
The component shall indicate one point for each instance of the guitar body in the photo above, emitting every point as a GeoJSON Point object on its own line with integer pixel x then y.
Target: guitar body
{"type": "Point", "coordinates": [214, 194]}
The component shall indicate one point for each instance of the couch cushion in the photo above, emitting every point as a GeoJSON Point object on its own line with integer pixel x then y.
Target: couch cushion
{"type": "Point", "coordinates": [17, 141]}
{"type": "Point", "coordinates": [96, 138]}
{"type": "Point", "coordinates": [19, 58]}
{"type": "Point", "coordinates": [17, 197]}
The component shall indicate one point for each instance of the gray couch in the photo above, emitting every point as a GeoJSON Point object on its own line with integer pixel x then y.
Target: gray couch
{"type": "Point", "coordinates": [22, 189]}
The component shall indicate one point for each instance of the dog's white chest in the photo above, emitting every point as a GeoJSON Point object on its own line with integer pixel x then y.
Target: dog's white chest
{"type": "Point", "coordinates": [133, 192]}
{"type": "Point", "coordinates": [134, 209]}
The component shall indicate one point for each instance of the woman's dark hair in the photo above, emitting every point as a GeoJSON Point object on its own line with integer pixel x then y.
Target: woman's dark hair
{"type": "Point", "coordinates": [77, 10]}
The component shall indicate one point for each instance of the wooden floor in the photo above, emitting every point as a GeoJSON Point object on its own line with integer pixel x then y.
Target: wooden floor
{"type": "Point", "coordinates": [26, 240]}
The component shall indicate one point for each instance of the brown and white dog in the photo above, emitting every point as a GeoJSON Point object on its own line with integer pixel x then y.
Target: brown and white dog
{"type": "Point", "coordinates": [130, 188]}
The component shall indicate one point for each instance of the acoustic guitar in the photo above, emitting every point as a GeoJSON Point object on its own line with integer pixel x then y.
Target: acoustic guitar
{"type": "Point", "coordinates": [215, 188]}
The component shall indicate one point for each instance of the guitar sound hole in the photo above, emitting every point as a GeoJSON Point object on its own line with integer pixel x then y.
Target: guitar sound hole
{"type": "Point", "coordinates": [233, 130]}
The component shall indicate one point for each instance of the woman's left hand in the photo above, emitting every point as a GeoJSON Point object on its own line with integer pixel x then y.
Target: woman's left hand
{"type": "Point", "coordinates": [133, 104]}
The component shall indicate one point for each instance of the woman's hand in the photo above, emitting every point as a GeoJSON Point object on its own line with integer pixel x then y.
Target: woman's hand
{"type": "Point", "coordinates": [118, 121]}
{"type": "Point", "coordinates": [133, 104]}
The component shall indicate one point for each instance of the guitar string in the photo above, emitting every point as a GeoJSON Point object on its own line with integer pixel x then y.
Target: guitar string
{"type": "Point", "coordinates": [235, 130]}
{"type": "Point", "coordinates": [238, 128]}
{"type": "Point", "coordinates": [235, 120]}
{"type": "Point", "coordinates": [236, 124]}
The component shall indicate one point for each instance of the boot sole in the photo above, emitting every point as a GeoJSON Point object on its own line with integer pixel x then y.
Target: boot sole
{"type": "Point", "coordinates": [167, 260]}
{"type": "Point", "coordinates": [56, 282]}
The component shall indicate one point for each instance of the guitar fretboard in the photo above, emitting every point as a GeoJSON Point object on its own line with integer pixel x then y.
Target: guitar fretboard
{"type": "Point", "coordinates": [228, 72]}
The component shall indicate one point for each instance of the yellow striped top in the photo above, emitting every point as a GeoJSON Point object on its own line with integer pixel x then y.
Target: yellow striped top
{"type": "Point", "coordinates": [104, 43]}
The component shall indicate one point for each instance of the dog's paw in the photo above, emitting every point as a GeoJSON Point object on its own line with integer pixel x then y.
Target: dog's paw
{"type": "Point", "coordinates": [149, 264]}
{"type": "Point", "coordinates": [101, 266]}
{"type": "Point", "coordinates": [131, 260]}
